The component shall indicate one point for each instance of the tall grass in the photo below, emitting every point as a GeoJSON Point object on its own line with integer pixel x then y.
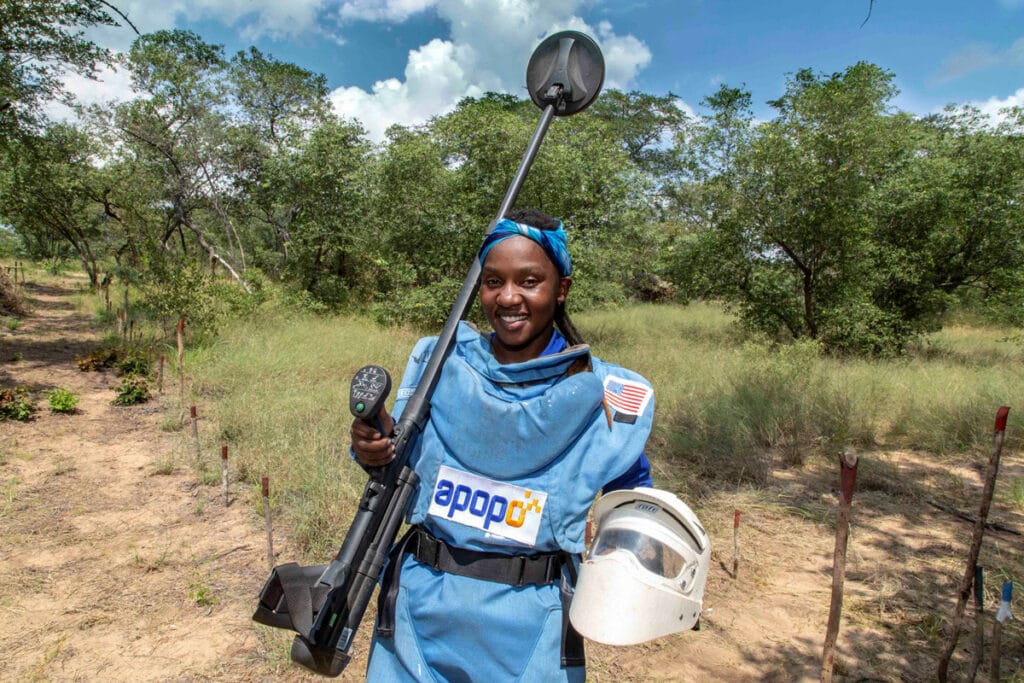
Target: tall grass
{"type": "Point", "coordinates": [277, 386]}
{"type": "Point", "coordinates": [728, 409]}
{"type": "Point", "coordinates": [733, 408]}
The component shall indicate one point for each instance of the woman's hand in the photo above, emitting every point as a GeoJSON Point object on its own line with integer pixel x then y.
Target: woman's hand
{"type": "Point", "coordinates": [372, 448]}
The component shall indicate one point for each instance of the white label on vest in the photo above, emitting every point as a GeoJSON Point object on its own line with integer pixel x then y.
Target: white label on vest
{"type": "Point", "coordinates": [492, 506]}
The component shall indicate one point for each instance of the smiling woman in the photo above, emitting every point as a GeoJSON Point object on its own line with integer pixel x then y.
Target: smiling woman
{"type": "Point", "coordinates": [524, 431]}
{"type": "Point", "coordinates": [522, 287]}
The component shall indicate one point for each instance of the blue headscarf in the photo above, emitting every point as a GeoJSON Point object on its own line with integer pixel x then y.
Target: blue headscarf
{"type": "Point", "coordinates": [551, 241]}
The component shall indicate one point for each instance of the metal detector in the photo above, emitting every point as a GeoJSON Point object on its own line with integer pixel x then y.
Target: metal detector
{"type": "Point", "coordinates": [325, 604]}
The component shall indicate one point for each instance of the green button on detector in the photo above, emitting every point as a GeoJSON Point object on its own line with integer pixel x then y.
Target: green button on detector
{"type": "Point", "coordinates": [360, 407]}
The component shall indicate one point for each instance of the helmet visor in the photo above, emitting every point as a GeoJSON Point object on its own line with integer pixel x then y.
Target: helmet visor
{"type": "Point", "coordinates": [652, 554]}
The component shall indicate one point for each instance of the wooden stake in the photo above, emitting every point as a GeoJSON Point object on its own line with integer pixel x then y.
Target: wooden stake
{"type": "Point", "coordinates": [181, 362]}
{"type": "Point", "coordinates": [997, 630]}
{"type": "Point", "coordinates": [848, 477]}
{"type": "Point", "coordinates": [266, 517]}
{"type": "Point", "coordinates": [979, 622]}
{"type": "Point", "coordinates": [991, 471]}
{"type": "Point", "coordinates": [195, 430]}
{"type": "Point", "coordinates": [160, 376]}
{"type": "Point", "coordinates": [224, 472]}
{"type": "Point", "coordinates": [736, 544]}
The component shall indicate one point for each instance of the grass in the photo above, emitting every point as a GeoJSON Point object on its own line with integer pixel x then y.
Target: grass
{"type": "Point", "coordinates": [278, 390]}
{"type": "Point", "coordinates": [729, 410]}
{"type": "Point", "coordinates": [1017, 493]}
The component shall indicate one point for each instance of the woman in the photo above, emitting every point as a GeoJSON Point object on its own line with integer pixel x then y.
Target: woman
{"type": "Point", "coordinates": [525, 428]}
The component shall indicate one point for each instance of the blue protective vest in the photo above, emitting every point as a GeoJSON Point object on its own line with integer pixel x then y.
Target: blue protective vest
{"type": "Point", "coordinates": [510, 461]}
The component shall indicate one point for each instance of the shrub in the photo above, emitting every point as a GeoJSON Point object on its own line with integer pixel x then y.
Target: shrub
{"type": "Point", "coordinates": [134, 389]}
{"type": "Point", "coordinates": [134, 363]}
{"type": "Point", "coordinates": [16, 404]}
{"type": "Point", "coordinates": [100, 359]}
{"type": "Point", "coordinates": [425, 307]}
{"type": "Point", "coordinates": [62, 401]}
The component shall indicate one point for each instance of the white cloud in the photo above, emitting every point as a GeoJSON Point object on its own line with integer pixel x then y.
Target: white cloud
{"type": "Point", "coordinates": [434, 82]}
{"type": "Point", "coordinates": [979, 56]}
{"type": "Point", "coordinates": [488, 50]}
{"type": "Point", "coordinates": [252, 18]}
{"type": "Point", "coordinates": [992, 105]}
{"type": "Point", "coordinates": [111, 84]}
{"type": "Point", "coordinates": [382, 10]}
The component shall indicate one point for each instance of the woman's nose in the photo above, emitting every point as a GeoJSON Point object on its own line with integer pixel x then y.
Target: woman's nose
{"type": "Point", "coordinates": [508, 295]}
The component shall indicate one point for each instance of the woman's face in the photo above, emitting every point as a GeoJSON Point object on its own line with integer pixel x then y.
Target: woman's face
{"type": "Point", "coordinates": [519, 290]}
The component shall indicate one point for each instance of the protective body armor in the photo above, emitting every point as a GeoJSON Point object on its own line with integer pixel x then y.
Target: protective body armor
{"type": "Point", "coordinates": [510, 462]}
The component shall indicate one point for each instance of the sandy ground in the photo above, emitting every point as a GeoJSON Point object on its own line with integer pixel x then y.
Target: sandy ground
{"type": "Point", "coordinates": [117, 565]}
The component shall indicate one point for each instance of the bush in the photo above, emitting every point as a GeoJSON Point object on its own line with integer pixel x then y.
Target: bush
{"type": "Point", "coordinates": [16, 404]}
{"type": "Point", "coordinates": [425, 308]}
{"type": "Point", "coordinates": [134, 389]}
{"type": "Point", "coordinates": [100, 359]}
{"type": "Point", "coordinates": [134, 363]}
{"type": "Point", "coordinates": [62, 401]}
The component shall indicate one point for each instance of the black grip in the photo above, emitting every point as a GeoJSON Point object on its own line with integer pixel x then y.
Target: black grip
{"type": "Point", "coordinates": [370, 388]}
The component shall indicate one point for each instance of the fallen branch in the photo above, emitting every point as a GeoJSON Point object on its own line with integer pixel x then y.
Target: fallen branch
{"type": "Point", "coordinates": [995, 526]}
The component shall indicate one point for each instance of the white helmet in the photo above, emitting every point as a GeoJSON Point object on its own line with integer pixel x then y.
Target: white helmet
{"type": "Point", "coordinates": [643, 576]}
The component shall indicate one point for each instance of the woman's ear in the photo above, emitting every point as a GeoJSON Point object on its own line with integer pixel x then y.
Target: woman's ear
{"type": "Point", "coordinates": [563, 289]}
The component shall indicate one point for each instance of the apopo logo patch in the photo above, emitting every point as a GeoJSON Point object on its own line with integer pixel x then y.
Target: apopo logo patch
{"type": "Point", "coordinates": [495, 507]}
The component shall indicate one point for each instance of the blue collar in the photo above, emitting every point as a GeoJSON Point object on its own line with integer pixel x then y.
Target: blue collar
{"type": "Point", "coordinates": [553, 361]}
{"type": "Point", "coordinates": [556, 345]}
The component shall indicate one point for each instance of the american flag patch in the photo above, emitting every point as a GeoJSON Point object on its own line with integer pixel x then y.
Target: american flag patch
{"type": "Point", "coordinates": [626, 396]}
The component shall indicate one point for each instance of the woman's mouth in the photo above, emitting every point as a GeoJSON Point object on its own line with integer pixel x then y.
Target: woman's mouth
{"type": "Point", "coordinates": [512, 320]}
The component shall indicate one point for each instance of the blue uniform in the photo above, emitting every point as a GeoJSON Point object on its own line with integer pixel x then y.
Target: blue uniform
{"type": "Point", "coordinates": [510, 463]}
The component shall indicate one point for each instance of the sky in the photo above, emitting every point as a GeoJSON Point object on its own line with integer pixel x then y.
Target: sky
{"type": "Point", "coordinates": [403, 61]}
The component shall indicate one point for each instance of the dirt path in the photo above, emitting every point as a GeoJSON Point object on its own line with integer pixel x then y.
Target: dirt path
{"type": "Point", "coordinates": [115, 565]}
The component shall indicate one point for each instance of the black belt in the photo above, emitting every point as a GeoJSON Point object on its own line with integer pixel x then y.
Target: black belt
{"type": "Point", "coordinates": [515, 570]}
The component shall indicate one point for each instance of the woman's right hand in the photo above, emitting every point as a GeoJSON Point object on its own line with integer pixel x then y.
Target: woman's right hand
{"type": "Point", "coordinates": [372, 448]}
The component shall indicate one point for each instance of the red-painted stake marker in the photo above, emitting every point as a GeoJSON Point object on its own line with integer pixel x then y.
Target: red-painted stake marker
{"type": "Point", "coordinates": [847, 479]}
{"type": "Point", "coordinates": [266, 517]}
{"type": "Point", "coordinates": [224, 472]}
{"type": "Point", "coordinates": [736, 544]}
{"type": "Point", "coordinates": [195, 429]}
{"type": "Point", "coordinates": [991, 470]}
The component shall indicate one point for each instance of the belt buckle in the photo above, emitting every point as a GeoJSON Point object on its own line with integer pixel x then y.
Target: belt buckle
{"type": "Point", "coordinates": [435, 551]}
{"type": "Point", "coordinates": [521, 573]}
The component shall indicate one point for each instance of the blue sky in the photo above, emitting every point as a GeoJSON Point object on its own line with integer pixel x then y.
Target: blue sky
{"type": "Point", "coordinates": [403, 61]}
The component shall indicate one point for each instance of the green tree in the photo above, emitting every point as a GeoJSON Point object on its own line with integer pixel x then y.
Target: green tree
{"type": "Point", "coordinates": [709, 153]}
{"type": "Point", "coordinates": [174, 134]}
{"type": "Point", "coordinates": [797, 236]}
{"type": "Point", "coordinates": [329, 247]}
{"type": "Point", "coordinates": [948, 220]}
{"type": "Point", "coordinates": [48, 191]}
{"type": "Point", "coordinates": [40, 41]}
{"type": "Point", "coordinates": [644, 125]}
{"type": "Point", "coordinates": [278, 106]}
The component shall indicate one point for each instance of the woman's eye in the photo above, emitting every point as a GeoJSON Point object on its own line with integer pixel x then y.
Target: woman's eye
{"type": "Point", "coordinates": [492, 282]}
{"type": "Point", "coordinates": [530, 282]}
